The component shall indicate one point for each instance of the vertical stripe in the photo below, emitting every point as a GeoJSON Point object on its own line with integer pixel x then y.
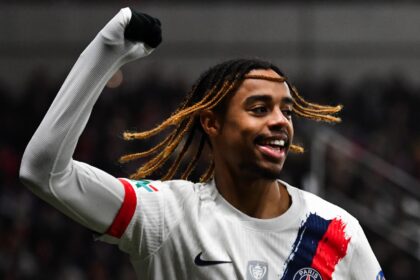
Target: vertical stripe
{"type": "Point", "coordinates": [331, 249]}
{"type": "Point", "coordinates": [305, 245]}
{"type": "Point", "coordinates": [126, 212]}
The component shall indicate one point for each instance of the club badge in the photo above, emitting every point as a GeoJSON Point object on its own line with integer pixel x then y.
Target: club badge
{"type": "Point", "coordinates": [307, 273]}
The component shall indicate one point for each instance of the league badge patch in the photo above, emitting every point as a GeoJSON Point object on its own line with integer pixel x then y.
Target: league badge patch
{"type": "Point", "coordinates": [257, 270]}
{"type": "Point", "coordinates": [145, 185]}
{"type": "Point", "coordinates": [307, 273]}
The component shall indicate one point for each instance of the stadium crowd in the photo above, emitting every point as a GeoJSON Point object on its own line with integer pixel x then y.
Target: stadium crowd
{"type": "Point", "coordinates": [37, 242]}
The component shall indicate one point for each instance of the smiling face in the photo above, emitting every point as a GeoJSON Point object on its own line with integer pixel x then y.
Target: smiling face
{"type": "Point", "coordinates": [253, 135]}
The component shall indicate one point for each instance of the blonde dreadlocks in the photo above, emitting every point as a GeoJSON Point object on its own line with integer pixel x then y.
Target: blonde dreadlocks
{"type": "Point", "coordinates": [210, 92]}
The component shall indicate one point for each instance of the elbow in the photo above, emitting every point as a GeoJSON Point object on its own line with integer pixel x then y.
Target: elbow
{"type": "Point", "coordinates": [31, 173]}
{"type": "Point", "coordinates": [27, 174]}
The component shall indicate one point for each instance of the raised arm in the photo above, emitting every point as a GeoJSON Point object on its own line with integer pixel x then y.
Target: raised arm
{"type": "Point", "coordinates": [84, 193]}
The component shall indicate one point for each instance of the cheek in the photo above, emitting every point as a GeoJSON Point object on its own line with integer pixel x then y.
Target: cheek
{"type": "Point", "coordinates": [239, 127]}
{"type": "Point", "coordinates": [240, 132]}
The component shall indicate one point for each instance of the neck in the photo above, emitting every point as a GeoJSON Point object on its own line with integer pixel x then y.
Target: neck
{"type": "Point", "coordinates": [257, 197]}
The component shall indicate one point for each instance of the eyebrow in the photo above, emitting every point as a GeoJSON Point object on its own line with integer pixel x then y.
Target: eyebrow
{"type": "Point", "coordinates": [287, 100]}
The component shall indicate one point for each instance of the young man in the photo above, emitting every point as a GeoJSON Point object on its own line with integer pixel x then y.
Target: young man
{"type": "Point", "coordinates": [241, 221]}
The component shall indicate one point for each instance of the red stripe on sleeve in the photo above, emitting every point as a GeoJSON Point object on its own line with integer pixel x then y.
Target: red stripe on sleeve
{"type": "Point", "coordinates": [125, 213]}
{"type": "Point", "coordinates": [331, 249]}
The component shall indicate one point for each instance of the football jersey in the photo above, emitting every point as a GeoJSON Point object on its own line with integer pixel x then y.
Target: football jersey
{"type": "Point", "coordinates": [178, 229]}
{"type": "Point", "coordinates": [181, 230]}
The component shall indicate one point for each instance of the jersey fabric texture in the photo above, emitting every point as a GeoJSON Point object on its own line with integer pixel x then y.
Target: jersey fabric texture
{"type": "Point", "coordinates": [177, 229]}
{"type": "Point", "coordinates": [182, 230]}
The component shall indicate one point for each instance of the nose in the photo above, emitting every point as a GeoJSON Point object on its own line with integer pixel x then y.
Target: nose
{"type": "Point", "coordinates": [277, 119]}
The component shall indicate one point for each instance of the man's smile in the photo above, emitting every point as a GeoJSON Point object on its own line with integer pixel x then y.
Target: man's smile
{"type": "Point", "coordinates": [273, 147]}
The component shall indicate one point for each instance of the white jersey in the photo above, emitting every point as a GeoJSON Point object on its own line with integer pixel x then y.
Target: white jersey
{"type": "Point", "coordinates": [181, 230]}
{"type": "Point", "coordinates": [177, 229]}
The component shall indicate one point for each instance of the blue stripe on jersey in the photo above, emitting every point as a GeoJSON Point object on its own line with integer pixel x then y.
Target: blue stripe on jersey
{"type": "Point", "coordinates": [380, 276]}
{"type": "Point", "coordinates": [305, 245]}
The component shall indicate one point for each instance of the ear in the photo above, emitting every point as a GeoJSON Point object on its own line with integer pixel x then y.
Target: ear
{"type": "Point", "coordinates": [209, 122]}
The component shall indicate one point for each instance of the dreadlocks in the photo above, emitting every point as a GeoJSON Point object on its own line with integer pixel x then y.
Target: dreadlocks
{"type": "Point", "coordinates": [209, 91]}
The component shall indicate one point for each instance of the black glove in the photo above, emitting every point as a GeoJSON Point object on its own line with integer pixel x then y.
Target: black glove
{"type": "Point", "coordinates": [144, 28]}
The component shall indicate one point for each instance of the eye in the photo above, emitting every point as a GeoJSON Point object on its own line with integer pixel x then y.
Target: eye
{"type": "Point", "coordinates": [259, 110]}
{"type": "Point", "coordinates": [287, 113]}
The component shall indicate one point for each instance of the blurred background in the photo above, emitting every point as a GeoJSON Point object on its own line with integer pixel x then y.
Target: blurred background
{"type": "Point", "coordinates": [364, 55]}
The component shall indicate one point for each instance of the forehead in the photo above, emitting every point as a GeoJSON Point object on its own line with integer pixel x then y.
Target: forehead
{"type": "Point", "coordinates": [277, 90]}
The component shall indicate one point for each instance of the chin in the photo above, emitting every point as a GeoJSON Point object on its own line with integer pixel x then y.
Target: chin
{"type": "Point", "coordinates": [263, 172]}
{"type": "Point", "coordinates": [270, 174]}
{"type": "Point", "coordinates": [270, 170]}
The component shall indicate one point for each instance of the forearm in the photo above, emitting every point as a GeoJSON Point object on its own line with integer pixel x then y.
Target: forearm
{"type": "Point", "coordinates": [51, 148]}
{"type": "Point", "coordinates": [47, 166]}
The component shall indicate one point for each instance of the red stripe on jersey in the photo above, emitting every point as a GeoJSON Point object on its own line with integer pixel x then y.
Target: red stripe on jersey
{"type": "Point", "coordinates": [331, 249]}
{"type": "Point", "coordinates": [125, 213]}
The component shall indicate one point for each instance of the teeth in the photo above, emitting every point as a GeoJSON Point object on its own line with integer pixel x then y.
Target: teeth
{"type": "Point", "coordinates": [276, 143]}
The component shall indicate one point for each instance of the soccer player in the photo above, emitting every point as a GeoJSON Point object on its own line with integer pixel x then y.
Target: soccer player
{"type": "Point", "coordinates": [240, 221]}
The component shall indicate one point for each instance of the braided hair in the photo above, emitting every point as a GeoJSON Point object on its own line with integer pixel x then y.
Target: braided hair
{"type": "Point", "coordinates": [210, 92]}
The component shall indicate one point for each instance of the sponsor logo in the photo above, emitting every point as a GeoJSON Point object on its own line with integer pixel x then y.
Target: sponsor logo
{"type": "Point", "coordinates": [307, 273]}
{"type": "Point", "coordinates": [200, 262]}
{"type": "Point", "coordinates": [257, 270]}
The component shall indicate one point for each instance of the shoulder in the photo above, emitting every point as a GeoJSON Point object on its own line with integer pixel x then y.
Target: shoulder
{"type": "Point", "coordinates": [175, 191]}
{"type": "Point", "coordinates": [330, 226]}
{"type": "Point", "coordinates": [154, 186]}
{"type": "Point", "coordinates": [317, 207]}
{"type": "Point", "coordinates": [161, 200]}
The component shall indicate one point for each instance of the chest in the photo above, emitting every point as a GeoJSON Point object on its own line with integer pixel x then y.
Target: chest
{"type": "Point", "coordinates": [211, 247]}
